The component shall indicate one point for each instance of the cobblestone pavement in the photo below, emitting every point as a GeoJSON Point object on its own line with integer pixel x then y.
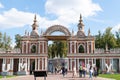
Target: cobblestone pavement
{"type": "Point", "coordinates": [53, 77]}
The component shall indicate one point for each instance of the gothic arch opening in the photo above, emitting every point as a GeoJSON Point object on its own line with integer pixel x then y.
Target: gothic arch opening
{"type": "Point", "coordinates": [33, 49]}
{"type": "Point", "coordinates": [81, 49]}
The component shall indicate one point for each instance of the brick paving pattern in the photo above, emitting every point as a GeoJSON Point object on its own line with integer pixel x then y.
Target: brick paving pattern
{"type": "Point", "coordinates": [54, 77]}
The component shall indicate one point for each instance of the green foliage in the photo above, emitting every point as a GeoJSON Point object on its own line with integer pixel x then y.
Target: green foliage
{"type": "Point", "coordinates": [17, 41]}
{"type": "Point", "coordinates": [57, 49]}
{"type": "Point", "coordinates": [118, 38]}
{"type": "Point", "coordinates": [106, 38]}
{"type": "Point", "coordinates": [111, 76]}
{"type": "Point", "coordinates": [5, 41]}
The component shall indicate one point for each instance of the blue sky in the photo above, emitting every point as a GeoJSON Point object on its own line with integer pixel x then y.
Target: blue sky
{"type": "Point", "coordinates": [16, 16]}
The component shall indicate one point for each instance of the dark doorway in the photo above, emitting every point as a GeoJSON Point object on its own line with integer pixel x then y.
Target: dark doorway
{"type": "Point", "coordinates": [98, 65]}
{"type": "Point", "coordinates": [32, 66]}
{"type": "Point", "coordinates": [1, 61]}
{"type": "Point", "coordinates": [15, 67]}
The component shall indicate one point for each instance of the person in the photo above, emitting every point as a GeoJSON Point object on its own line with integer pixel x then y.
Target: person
{"type": "Point", "coordinates": [63, 71]}
{"type": "Point", "coordinates": [74, 72]}
{"type": "Point", "coordinates": [55, 70]}
{"type": "Point", "coordinates": [80, 71]}
{"type": "Point", "coordinates": [84, 71]}
{"type": "Point", "coordinates": [90, 72]}
{"type": "Point", "coordinates": [66, 70]}
{"type": "Point", "coordinates": [95, 71]}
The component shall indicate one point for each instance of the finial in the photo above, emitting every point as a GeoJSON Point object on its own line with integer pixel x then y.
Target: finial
{"type": "Point", "coordinates": [80, 24]}
{"type": "Point", "coordinates": [34, 25]}
{"type": "Point", "coordinates": [89, 32]}
{"type": "Point", "coordinates": [35, 18]}
{"type": "Point", "coordinates": [72, 32]}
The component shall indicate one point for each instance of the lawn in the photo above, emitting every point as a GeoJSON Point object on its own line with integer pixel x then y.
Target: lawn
{"type": "Point", "coordinates": [7, 76]}
{"type": "Point", "coordinates": [111, 76]}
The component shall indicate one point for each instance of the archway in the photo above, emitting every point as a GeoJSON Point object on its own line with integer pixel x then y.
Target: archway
{"type": "Point", "coordinates": [81, 49]}
{"type": "Point", "coordinates": [33, 49]}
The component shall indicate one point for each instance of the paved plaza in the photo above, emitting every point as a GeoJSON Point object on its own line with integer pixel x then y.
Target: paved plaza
{"type": "Point", "coordinates": [53, 77]}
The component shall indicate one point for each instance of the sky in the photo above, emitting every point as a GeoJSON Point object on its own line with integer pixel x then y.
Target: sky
{"type": "Point", "coordinates": [16, 16]}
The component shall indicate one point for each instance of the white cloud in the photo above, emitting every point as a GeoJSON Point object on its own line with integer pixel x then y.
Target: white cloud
{"type": "Point", "coordinates": [67, 12]}
{"type": "Point", "coordinates": [15, 18]}
{"type": "Point", "coordinates": [1, 6]}
{"type": "Point", "coordinates": [116, 28]}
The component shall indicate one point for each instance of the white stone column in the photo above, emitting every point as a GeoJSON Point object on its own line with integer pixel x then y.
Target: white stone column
{"type": "Point", "coordinates": [102, 64]}
{"type": "Point", "coordinates": [78, 63]}
{"type": "Point", "coordinates": [22, 47]}
{"type": "Point", "coordinates": [91, 47]}
{"type": "Point", "coordinates": [19, 64]}
{"type": "Point", "coordinates": [28, 64]}
{"type": "Point", "coordinates": [87, 47]}
{"type": "Point", "coordinates": [46, 63]}
{"type": "Point", "coordinates": [38, 63]}
{"type": "Point", "coordinates": [43, 47]}
{"type": "Point", "coordinates": [42, 63]}
{"type": "Point", "coordinates": [75, 62]}
{"type": "Point", "coordinates": [26, 47]}
{"type": "Point", "coordinates": [112, 63]}
{"type": "Point", "coordinates": [70, 46]}
{"type": "Point", "coordinates": [74, 46]}
{"type": "Point", "coordinates": [11, 63]}
{"type": "Point", "coordinates": [39, 47]}
{"type": "Point", "coordinates": [35, 63]}
{"type": "Point", "coordinates": [68, 64]}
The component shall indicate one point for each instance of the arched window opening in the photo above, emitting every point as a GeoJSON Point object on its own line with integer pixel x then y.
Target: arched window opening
{"type": "Point", "coordinates": [33, 49]}
{"type": "Point", "coordinates": [81, 49]}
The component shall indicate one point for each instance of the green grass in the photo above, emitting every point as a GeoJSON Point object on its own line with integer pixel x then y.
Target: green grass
{"type": "Point", "coordinates": [7, 76]}
{"type": "Point", "coordinates": [111, 76]}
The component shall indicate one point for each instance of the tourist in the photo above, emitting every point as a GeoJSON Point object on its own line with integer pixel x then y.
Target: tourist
{"type": "Point", "coordinates": [84, 71]}
{"type": "Point", "coordinates": [55, 70]}
{"type": "Point", "coordinates": [80, 71]}
{"type": "Point", "coordinates": [95, 71]}
{"type": "Point", "coordinates": [63, 71]}
{"type": "Point", "coordinates": [74, 72]}
{"type": "Point", "coordinates": [90, 72]}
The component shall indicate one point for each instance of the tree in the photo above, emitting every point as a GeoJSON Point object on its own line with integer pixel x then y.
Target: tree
{"type": "Point", "coordinates": [108, 38]}
{"type": "Point", "coordinates": [1, 40]}
{"type": "Point", "coordinates": [17, 41]}
{"type": "Point", "coordinates": [99, 40]}
{"type": "Point", "coordinates": [118, 38]}
{"type": "Point", "coordinates": [58, 48]}
{"type": "Point", "coordinates": [6, 42]}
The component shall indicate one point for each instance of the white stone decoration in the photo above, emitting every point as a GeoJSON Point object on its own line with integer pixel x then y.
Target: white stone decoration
{"type": "Point", "coordinates": [3, 67]}
{"type": "Point", "coordinates": [108, 67]}
{"type": "Point", "coordinates": [22, 67]}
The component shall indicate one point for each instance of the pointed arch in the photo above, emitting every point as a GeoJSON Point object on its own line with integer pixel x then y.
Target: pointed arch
{"type": "Point", "coordinates": [33, 49]}
{"type": "Point", "coordinates": [81, 49]}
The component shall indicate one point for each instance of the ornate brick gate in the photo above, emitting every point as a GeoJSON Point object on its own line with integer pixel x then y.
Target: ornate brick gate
{"type": "Point", "coordinates": [34, 51]}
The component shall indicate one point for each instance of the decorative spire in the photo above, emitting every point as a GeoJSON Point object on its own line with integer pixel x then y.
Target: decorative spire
{"type": "Point", "coordinates": [34, 25]}
{"type": "Point", "coordinates": [80, 24]}
{"type": "Point", "coordinates": [72, 32]}
{"type": "Point", "coordinates": [89, 32]}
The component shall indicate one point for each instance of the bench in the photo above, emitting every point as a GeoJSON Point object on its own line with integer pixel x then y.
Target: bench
{"type": "Point", "coordinates": [40, 74]}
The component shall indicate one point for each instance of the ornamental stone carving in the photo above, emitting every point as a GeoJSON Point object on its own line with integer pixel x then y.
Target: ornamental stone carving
{"type": "Point", "coordinates": [57, 28]}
